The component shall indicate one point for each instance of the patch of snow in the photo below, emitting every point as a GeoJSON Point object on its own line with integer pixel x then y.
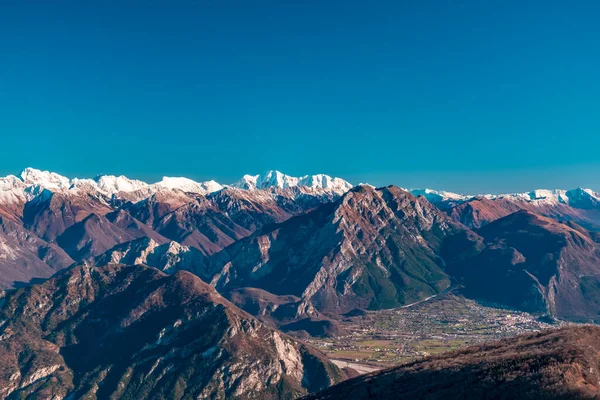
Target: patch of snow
{"type": "Point", "coordinates": [12, 190]}
{"type": "Point", "coordinates": [440, 195]}
{"type": "Point", "coordinates": [276, 179]}
{"type": "Point", "coordinates": [188, 185]}
{"type": "Point", "coordinates": [33, 182]}
{"type": "Point", "coordinates": [44, 179]}
{"type": "Point", "coordinates": [115, 184]}
{"type": "Point", "coordinates": [576, 197]}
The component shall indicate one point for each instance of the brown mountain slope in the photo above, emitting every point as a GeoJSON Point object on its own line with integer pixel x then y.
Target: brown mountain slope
{"type": "Point", "coordinates": [157, 205]}
{"type": "Point", "coordinates": [132, 332]}
{"type": "Point", "coordinates": [132, 226]}
{"type": "Point", "coordinates": [96, 234]}
{"type": "Point", "coordinates": [535, 264]}
{"type": "Point", "coordinates": [373, 248]}
{"type": "Point", "coordinates": [202, 225]}
{"type": "Point", "coordinates": [86, 223]}
{"type": "Point", "coordinates": [481, 211]}
{"type": "Point", "coordinates": [560, 364]}
{"type": "Point", "coordinates": [90, 237]}
{"type": "Point", "coordinates": [49, 214]}
{"type": "Point", "coordinates": [25, 257]}
{"type": "Point", "coordinates": [211, 223]}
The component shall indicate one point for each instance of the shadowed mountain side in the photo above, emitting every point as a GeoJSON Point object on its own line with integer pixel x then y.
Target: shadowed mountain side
{"type": "Point", "coordinates": [49, 214]}
{"type": "Point", "coordinates": [134, 332]}
{"type": "Point", "coordinates": [532, 263]}
{"type": "Point", "coordinates": [480, 211]}
{"type": "Point", "coordinates": [24, 256]}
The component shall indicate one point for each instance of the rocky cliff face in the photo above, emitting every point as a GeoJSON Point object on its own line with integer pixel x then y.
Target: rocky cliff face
{"type": "Point", "coordinates": [134, 332]}
{"type": "Point", "coordinates": [373, 248]}
{"type": "Point", "coordinates": [169, 257]}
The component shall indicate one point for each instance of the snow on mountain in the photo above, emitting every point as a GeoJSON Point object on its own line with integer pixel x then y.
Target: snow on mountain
{"type": "Point", "coordinates": [248, 182]}
{"type": "Point", "coordinates": [324, 182]}
{"type": "Point", "coordinates": [269, 179]}
{"type": "Point", "coordinates": [33, 181]}
{"type": "Point", "coordinates": [11, 182]}
{"type": "Point", "coordinates": [188, 185]}
{"type": "Point", "coordinates": [583, 198]}
{"type": "Point", "coordinates": [441, 196]}
{"type": "Point", "coordinates": [44, 179]}
{"type": "Point", "coordinates": [580, 198]}
{"type": "Point", "coordinates": [12, 190]}
{"type": "Point", "coordinates": [115, 184]}
{"type": "Point", "coordinates": [276, 179]}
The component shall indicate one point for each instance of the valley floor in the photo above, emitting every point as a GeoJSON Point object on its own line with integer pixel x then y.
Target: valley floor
{"type": "Point", "coordinates": [379, 339]}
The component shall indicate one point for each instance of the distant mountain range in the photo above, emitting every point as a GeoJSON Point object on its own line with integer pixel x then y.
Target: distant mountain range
{"type": "Point", "coordinates": [32, 181]}
{"type": "Point", "coordinates": [331, 246]}
{"type": "Point", "coordinates": [286, 253]}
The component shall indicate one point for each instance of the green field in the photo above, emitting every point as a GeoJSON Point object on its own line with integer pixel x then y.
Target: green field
{"type": "Point", "coordinates": [447, 322]}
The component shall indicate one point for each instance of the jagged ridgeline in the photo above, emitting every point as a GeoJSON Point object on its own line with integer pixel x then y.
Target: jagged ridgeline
{"type": "Point", "coordinates": [180, 287]}
{"type": "Point", "coordinates": [332, 248]}
{"type": "Point", "coordinates": [134, 332]}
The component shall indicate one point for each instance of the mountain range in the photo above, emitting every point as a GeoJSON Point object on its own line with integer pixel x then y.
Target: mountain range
{"type": "Point", "coordinates": [330, 246]}
{"type": "Point", "coordinates": [267, 254]}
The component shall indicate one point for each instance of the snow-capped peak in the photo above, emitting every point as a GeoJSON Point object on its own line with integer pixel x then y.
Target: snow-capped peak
{"type": "Point", "coordinates": [441, 198]}
{"type": "Point", "coordinates": [188, 185]}
{"type": "Point", "coordinates": [11, 182]}
{"type": "Point", "coordinates": [539, 196]}
{"type": "Point", "coordinates": [114, 184]}
{"type": "Point", "coordinates": [325, 182]}
{"type": "Point", "coordinates": [12, 190]}
{"type": "Point", "coordinates": [580, 198]}
{"type": "Point", "coordinates": [33, 181]}
{"type": "Point", "coordinates": [272, 179]}
{"type": "Point", "coordinates": [247, 182]}
{"type": "Point", "coordinates": [44, 179]}
{"type": "Point", "coordinates": [583, 198]}
{"type": "Point", "coordinates": [439, 195]}
{"type": "Point", "coordinates": [276, 179]}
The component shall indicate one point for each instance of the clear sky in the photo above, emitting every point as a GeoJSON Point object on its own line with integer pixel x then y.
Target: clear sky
{"type": "Point", "coordinates": [472, 96]}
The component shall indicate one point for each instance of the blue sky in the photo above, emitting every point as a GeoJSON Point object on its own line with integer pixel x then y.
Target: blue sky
{"type": "Point", "coordinates": [475, 96]}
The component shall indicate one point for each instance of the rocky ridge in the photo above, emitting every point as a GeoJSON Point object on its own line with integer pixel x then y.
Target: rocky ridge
{"type": "Point", "coordinates": [134, 332]}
